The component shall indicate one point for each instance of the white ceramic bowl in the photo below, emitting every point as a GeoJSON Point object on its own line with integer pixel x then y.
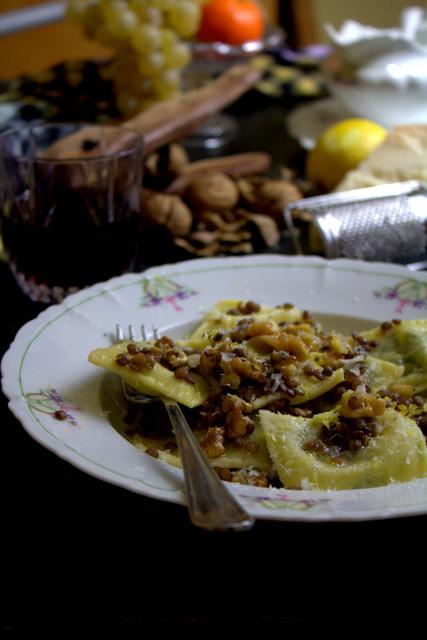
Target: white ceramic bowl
{"type": "Point", "coordinates": [391, 89]}
{"type": "Point", "coordinates": [384, 104]}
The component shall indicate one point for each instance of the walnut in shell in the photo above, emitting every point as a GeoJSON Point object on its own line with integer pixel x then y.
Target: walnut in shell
{"type": "Point", "coordinates": [165, 165]}
{"type": "Point", "coordinates": [170, 211]}
{"type": "Point", "coordinates": [267, 196]}
{"type": "Point", "coordinates": [277, 194]}
{"type": "Point", "coordinates": [214, 192]}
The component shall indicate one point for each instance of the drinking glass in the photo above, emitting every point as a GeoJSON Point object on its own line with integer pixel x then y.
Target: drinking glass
{"type": "Point", "coordinates": [209, 59]}
{"type": "Point", "coordinates": [69, 221]}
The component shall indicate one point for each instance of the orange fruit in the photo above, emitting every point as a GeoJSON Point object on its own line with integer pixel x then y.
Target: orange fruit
{"type": "Point", "coordinates": [231, 21]}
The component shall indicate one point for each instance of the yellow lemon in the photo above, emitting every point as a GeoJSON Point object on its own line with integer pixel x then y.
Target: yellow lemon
{"type": "Point", "coordinates": [341, 148]}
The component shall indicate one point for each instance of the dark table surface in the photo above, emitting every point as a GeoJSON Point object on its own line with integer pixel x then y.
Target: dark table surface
{"type": "Point", "coordinates": [80, 554]}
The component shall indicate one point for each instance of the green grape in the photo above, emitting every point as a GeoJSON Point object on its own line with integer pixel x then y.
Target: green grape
{"type": "Point", "coordinates": [127, 22]}
{"type": "Point", "coordinates": [163, 5]}
{"type": "Point", "coordinates": [184, 18]}
{"type": "Point", "coordinates": [148, 40]}
{"type": "Point", "coordinates": [120, 21]}
{"type": "Point", "coordinates": [151, 64]}
{"type": "Point", "coordinates": [145, 38]}
{"type": "Point", "coordinates": [154, 16]}
{"type": "Point", "coordinates": [177, 56]}
{"type": "Point", "coordinates": [139, 7]}
{"type": "Point", "coordinates": [169, 81]}
{"type": "Point", "coordinates": [169, 38]}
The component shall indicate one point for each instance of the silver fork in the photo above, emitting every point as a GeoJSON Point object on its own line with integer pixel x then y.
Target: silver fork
{"type": "Point", "coordinates": [210, 504]}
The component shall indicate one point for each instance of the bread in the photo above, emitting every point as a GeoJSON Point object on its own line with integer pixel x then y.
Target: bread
{"type": "Point", "coordinates": [402, 156]}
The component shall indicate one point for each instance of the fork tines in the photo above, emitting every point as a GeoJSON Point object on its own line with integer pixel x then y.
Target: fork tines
{"type": "Point", "coordinates": [133, 334]}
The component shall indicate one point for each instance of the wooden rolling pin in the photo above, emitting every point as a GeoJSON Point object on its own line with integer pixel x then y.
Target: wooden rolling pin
{"type": "Point", "coordinates": [165, 121]}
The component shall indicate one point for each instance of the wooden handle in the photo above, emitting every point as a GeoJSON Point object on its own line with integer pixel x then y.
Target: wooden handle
{"type": "Point", "coordinates": [165, 121]}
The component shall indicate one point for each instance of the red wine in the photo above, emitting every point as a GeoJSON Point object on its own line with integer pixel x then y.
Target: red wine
{"type": "Point", "coordinates": [69, 247]}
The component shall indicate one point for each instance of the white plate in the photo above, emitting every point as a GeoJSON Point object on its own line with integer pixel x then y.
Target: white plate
{"type": "Point", "coordinates": [46, 367]}
{"type": "Point", "coordinates": [307, 122]}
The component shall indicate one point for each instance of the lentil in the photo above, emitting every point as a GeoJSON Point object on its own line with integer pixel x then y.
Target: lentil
{"type": "Point", "coordinates": [138, 362]}
{"type": "Point", "coordinates": [122, 359]}
{"type": "Point", "coordinates": [133, 348]}
{"type": "Point", "coordinates": [181, 373]}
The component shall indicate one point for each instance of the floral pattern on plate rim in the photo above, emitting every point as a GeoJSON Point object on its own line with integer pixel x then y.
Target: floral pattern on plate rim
{"type": "Point", "coordinates": [283, 501]}
{"type": "Point", "coordinates": [409, 292]}
{"type": "Point", "coordinates": [161, 289]}
{"type": "Point", "coordinates": [50, 401]}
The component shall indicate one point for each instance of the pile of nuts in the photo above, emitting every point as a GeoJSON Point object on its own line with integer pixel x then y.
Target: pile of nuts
{"type": "Point", "coordinates": [218, 206]}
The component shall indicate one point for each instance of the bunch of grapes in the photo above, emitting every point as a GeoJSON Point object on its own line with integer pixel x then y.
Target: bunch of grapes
{"type": "Point", "coordinates": [150, 42]}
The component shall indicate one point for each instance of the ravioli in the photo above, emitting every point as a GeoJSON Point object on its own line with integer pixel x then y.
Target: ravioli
{"type": "Point", "coordinates": [314, 388]}
{"type": "Point", "coordinates": [404, 344]}
{"type": "Point", "coordinates": [397, 454]}
{"type": "Point", "coordinates": [233, 458]}
{"type": "Point", "coordinates": [159, 381]}
{"type": "Point", "coordinates": [261, 383]}
{"type": "Point", "coordinates": [218, 318]}
{"type": "Point", "coordinates": [382, 373]}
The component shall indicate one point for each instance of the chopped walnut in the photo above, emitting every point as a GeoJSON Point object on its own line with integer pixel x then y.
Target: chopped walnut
{"type": "Point", "coordinates": [209, 360]}
{"type": "Point", "coordinates": [233, 403]}
{"type": "Point", "coordinates": [361, 405]}
{"type": "Point", "coordinates": [213, 442]}
{"type": "Point", "coordinates": [230, 379]}
{"type": "Point", "coordinates": [224, 474]}
{"type": "Point", "coordinates": [176, 357]}
{"type": "Point", "coordinates": [264, 327]}
{"type": "Point", "coordinates": [290, 343]}
{"type": "Point", "coordinates": [247, 369]}
{"type": "Point", "coordinates": [237, 425]}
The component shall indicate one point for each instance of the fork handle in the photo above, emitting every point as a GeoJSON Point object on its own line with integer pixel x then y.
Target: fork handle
{"type": "Point", "coordinates": [210, 505]}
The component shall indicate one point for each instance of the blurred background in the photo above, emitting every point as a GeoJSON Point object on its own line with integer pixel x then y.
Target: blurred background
{"type": "Point", "coordinates": [303, 20]}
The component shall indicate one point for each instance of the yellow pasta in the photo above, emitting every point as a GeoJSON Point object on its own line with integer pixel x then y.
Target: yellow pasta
{"type": "Point", "coordinates": [275, 400]}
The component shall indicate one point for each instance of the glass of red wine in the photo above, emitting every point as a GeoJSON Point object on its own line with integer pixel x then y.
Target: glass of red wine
{"type": "Point", "coordinates": [69, 220]}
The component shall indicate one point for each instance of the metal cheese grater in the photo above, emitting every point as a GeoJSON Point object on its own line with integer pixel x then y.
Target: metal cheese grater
{"type": "Point", "coordinates": [386, 222]}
